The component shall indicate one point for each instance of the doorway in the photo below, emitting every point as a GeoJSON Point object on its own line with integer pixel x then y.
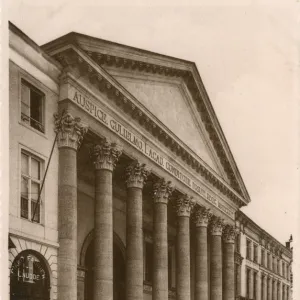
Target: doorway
{"type": "Point", "coordinates": [118, 273]}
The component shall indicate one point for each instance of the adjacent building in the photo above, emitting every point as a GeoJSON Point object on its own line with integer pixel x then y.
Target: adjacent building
{"type": "Point", "coordinates": [263, 265]}
{"type": "Point", "coordinates": [122, 184]}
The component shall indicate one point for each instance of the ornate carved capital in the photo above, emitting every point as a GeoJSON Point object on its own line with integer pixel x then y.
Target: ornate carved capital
{"type": "Point", "coordinates": [202, 216]}
{"type": "Point", "coordinates": [238, 259]}
{"type": "Point", "coordinates": [229, 234]}
{"type": "Point", "coordinates": [69, 130]}
{"type": "Point", "coordinates": [105, 155]}
{"type": "Point", "coordinates": [136, 175]}
{"type": "Point", "coordinates": [216, 225]}
{"type": "Point", "coordinates": [183, 205]}
{"type": "Point", "coordinates": [162, 191]}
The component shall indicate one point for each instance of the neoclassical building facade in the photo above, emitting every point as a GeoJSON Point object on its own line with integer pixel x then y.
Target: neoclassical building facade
{"type": "Point", "coordinates": [124, 185]}
{"type": "Point", "coordinates": [263, 266]}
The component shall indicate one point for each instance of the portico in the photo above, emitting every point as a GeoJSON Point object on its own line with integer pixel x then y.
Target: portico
{"type": "Point", "coordinates": [134, 175]}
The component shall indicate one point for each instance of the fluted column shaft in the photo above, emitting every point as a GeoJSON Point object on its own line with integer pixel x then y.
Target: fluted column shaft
{"type": "Point", "coordinates": [69, 137]}
{"type": "Point", "coordinates": [104, 156]}
{"type": "Point", "coordinates": [265, 287]}
{"type": "Point", "coordinates": [216, 260]}
{"type": "Point", "coordinates": [162, 191]}
{"type": "Point", "coordinates": [136, 175]}
{"type": "Point", "coordinates": [202, 216]}
{"type": "Point", "coordinates": [228, 263]}
{"type": "Point", "coordinates": [183, 285]}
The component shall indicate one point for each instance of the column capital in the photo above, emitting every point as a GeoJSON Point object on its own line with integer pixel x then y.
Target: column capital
{"type": "Point", "coordinates": [105, 155]}
{"type": "Point", "coordinates": [183, 205]}
{"type": "Point", "coordinates": [162, 190]}
{"type": "Point", "coordinates": [136, 175]}
{"type": "Point", "coordinates": [229, 234]}
{"type": "Point", "coordinates": [201, 216]}
{"type": "Point", "coordinates": [69, 130]}
{"type": "Point", "coordinates": [216, 225]}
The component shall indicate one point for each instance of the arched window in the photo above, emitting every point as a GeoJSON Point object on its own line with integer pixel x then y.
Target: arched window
{"type": "Point", "coordinates": [29, 277]}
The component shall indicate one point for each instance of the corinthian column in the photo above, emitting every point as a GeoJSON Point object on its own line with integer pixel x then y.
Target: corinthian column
{"type": "Point", "coordinates": [69, 137]}
{"type": "Point", "coordinates": [162, 191]}
{"type": "Point", "coordinates": [104, 156]}
{"type": "Point", "coordinates": [184, 204]}
{"type": "Point", "coordinates": [228, 263]}
{"type": "Point", "coordinates": [136, 176]}
{"type": "Point", "coordinates": [201, 219]}
{"type": "Point", "coordinates": [216, 259]}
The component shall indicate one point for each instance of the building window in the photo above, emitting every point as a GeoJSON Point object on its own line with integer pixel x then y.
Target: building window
{"type": "Point", "coordinates": [278, 266]}
{"type": "Point", "coordinates": [287, 272]}
{"type": "Point", "coordinates": [274, 264]}
{"type": "Point", "coordinates": [262, 259]}
{"type": "Point", "coordinates": [238, 243]}
{"type": "Point", "coordinates": [249, 248]}
{"type": "Point", "coordinates": [32, 106]}
{"type": "Point", "coordinates": [268, 260]}
{"type": "Point", "coordinates": [30, 186]}
{"type": "Point", "coordinates": [283, 269]}
{"type": "Point", "coordinates": [248, 274]}
{"type": "Point", "coordinates": [255, 251]}
{"type": "Point", "coordinates": [29, 277]}
{"type": "Point", "coordinates": [148, 262]}
{"type": "Point", "coordinates": [254, 284]}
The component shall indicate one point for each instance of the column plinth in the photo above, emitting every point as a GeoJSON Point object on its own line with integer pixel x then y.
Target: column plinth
{"type": "Point", "coordinates": [216, 259]}
{"type": "Point", "coordinates": [70, 133]}
{"type": "Point", "coordinates": [136, 176]}
{"type": "Point", "coordinates": [228, 264]}
{"type": "Point", "coordinates": [184, 204]}
{"type": "Point", "coordinates": [201, 219]}
{"type": "Point", "coordinates": [104, 156]}
{"type": "Point", "coordinates": [162, 191]}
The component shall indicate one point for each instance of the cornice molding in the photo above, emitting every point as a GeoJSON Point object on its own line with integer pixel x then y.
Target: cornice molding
{"type": "Point", "coordinates": [268, 241]}
{"type": "Point", "coordinates": [71, 56]}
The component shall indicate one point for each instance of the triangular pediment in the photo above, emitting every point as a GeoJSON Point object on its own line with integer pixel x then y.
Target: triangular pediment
{"type": "Point", "coordinates": [171, 90]}
{"type": "Point", "coordinates": [169, 101]}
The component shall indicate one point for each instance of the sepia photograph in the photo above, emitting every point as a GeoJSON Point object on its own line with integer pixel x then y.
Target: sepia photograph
{"type": "Point", "coordinates": [150, 150]}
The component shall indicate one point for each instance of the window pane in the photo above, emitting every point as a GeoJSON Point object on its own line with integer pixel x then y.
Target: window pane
{"type": "Point", "coordinates": [35, 168]}
{"type": "Point", "coordinates": [24, 187]}
{"type": "Point", "coordinates": [35, 211]}
{"type": "Point", "coordinates": [24, 208]}
{"type": "Point", "coordinates": [25, 95]}
{"type": "Point", "coordinates": [35, 187]}
{"type": "Point", "coordinates": [24, 164]}
{"type": "Point", "coordinates": [36, 106]}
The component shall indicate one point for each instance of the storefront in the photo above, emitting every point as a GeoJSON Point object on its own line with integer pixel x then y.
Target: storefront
{"type": "Point", "coordinates": [29, 277]}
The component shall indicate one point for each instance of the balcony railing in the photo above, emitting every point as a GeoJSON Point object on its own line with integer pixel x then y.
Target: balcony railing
{"type": "Point", "coordinates": [33, 123]}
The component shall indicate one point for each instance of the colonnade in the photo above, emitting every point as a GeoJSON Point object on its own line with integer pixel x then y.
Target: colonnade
{"type": "Point", "coordinates": [105, 155]}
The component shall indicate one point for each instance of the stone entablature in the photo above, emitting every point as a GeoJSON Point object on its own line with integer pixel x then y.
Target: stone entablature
{"type": "Point", "coordinates": [115, 92]}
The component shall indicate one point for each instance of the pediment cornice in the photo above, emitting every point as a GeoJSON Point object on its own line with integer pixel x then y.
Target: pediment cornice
{"type": "Point", "coordinates": [90, 66]}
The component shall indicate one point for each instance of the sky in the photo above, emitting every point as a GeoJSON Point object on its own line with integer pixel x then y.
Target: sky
{"type": "Point", "coordinates": [246, 53]}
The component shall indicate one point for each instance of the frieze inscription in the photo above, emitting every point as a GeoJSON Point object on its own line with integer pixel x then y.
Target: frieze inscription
{"type": "Point", "coordinates": [146, 149]}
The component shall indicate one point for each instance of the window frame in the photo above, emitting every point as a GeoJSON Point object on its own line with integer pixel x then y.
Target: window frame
{"type": "Point", "coordinates": [24, 80]}
{"type": "Point", "coordinates": [30, 155]}
{"type": "Point", "coordinates": [255, 253]}
{"type": "Point", "coordinates": [248, 249]}
{"type": "Point", "coordinates": [262, 257]}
